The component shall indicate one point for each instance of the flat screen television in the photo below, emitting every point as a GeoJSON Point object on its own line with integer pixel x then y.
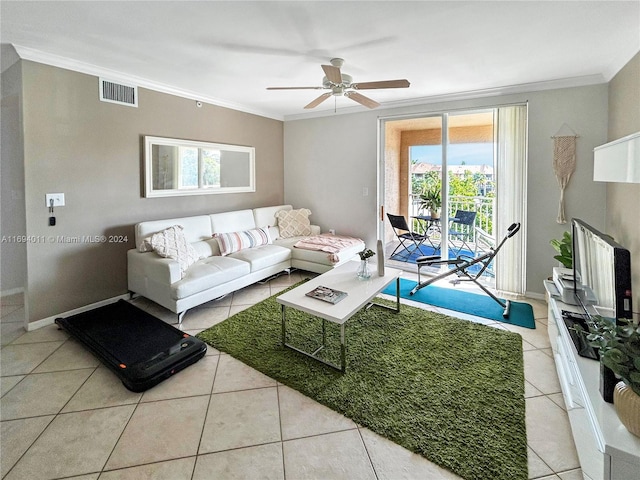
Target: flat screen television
{"type": "Point", "coordinates": [602, 268]}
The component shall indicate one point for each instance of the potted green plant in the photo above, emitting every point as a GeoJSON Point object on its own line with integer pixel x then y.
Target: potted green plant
{"type": "Point", "coordinates": [431, 197]}
{"type": "Point", "coordinates": [564, 247]}
{"type": "Point", "coordinates": [619, 349]}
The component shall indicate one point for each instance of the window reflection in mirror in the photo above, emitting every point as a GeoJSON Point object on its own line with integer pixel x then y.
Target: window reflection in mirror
{"type": "Point", "coordinates": [183, 167]}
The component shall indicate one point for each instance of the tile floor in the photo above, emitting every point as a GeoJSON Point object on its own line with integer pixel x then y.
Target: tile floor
{"type": "Point", "coordinates": [63, 415]}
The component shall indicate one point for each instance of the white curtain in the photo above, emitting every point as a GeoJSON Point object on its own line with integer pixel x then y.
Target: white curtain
{"type": "Point", "coordinates": [510, 263]}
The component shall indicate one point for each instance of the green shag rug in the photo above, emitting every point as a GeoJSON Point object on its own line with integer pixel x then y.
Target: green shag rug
{"type": "Point", "coordinates": [448, 389]}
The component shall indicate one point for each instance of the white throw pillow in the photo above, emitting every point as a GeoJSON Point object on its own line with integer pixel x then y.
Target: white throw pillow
{"type": "Point", "coordinates": [171, 243]}
{"type": "Point", "coordinates": [145, 245]}
{"type": "Point", "coordinates": [236, 241]}
{"type": "Point", "coordinates": [294, 223]}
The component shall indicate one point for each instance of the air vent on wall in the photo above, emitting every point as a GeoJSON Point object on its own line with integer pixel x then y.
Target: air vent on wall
{"type": "Point", "coordinates": [118, 93]}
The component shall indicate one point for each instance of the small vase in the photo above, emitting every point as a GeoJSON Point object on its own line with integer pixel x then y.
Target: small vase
{"type": "Point", "coordinates": [627, 405]}
{"type": "Point", "coordinates": [363, 270]}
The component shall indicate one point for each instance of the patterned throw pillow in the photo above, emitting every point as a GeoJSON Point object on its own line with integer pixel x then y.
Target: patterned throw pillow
{"type": "Point", "coordinates": [294, 223]}
{"type": "Point", "coordinates": [171, 243]}
{"type": "Point", "coordinates": [236, 241]}
{"type": "Point", "coordinates": [145, 245]}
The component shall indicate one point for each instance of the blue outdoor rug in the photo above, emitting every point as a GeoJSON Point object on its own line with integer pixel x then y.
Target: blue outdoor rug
{"type": "Point", "coordinates": [484, 306]}
{"type": "Point", "coordinates": [410, 256]}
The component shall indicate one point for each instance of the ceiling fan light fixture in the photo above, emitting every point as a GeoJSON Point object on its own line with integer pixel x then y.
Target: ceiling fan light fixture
{"type": "Point", "coordinates": [341, 84]}
{"type": "Point", "coordinates": [346, 81]}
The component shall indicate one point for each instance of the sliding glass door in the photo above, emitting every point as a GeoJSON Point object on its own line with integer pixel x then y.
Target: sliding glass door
{"type": "Point", "coordinates": [442, 173]}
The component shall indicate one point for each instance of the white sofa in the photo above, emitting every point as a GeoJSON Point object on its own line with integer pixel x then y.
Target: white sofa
{"type": "Point", "coordinates": [212, 276]}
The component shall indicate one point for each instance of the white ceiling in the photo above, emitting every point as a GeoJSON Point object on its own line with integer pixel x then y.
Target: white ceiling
{"type": "Point", "coordinates": [227, 53]}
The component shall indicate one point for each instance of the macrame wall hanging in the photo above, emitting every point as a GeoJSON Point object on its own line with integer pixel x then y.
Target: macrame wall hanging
{"type": "Point", "coordinates": [564, 162]}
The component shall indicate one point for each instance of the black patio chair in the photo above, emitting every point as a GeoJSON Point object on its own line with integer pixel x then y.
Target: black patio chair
{"type": "Point", "coordinates": [461, 228]}
{"type": "Point", "coordinates": [462, 264]}
{"type": "Point", "coordinates": [407, 237]}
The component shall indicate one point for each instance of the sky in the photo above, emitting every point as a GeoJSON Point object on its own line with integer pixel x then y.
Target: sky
{"type": "Point", "coordinates": [458, 153]}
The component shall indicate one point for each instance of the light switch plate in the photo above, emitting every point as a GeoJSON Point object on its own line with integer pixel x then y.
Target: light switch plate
{"type": "Point", "coordinates": [58, 199]}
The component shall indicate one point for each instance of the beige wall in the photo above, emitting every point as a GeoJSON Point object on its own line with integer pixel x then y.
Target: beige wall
{"type": "Point", "coordinates": [92, 151]}
{"type": "Point", "coordinates": [623, 199]}
{"type": "Point", "coordinates": [13, 253]}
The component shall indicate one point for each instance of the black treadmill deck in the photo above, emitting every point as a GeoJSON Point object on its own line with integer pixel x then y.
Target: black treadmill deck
{"type": "Point", "coordinates": [138, 347]}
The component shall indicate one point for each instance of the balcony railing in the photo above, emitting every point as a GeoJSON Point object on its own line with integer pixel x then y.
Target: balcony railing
{"type": "Point", "coordinates": [481, 235]}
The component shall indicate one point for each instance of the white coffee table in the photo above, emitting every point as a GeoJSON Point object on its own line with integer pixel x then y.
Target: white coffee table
{"type": "Point", "coordinates": [359, 294]}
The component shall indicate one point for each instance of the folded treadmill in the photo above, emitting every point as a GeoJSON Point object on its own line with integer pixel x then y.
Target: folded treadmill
{"type": "Point", "coordinates": [139, 348]}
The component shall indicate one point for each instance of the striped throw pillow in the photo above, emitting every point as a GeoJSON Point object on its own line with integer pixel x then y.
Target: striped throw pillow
{"type": "Point", "coordinates": [236, 241]}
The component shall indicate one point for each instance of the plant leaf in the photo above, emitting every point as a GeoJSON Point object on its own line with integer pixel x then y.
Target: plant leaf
{"type": "Point", "coordinates": [634, 377]}
{"type": "Point", "coordinates": [616, 355]}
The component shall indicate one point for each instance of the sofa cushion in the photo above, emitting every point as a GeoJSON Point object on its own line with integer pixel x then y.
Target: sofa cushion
{"type": "Point", "coordinates": [313, 256]}
{"type": "Point", "coordinates": [207, 248]}
{"type": "Point", "coordinates": [263, 257]}
{"type": "Point", "coordinates": [232, 221]}
{"type": "Point", "coordinates": [294, 223]}
{"type": "Point", "coordinates": [328, 243]}
{"type": "Point", "coordinates": [171, 243]}
{"type": "Point", "coordinates": [267, 215]}
{"type": "Point", "coordinates": [235, 241]}
{"type": "Point", "coordinates": [208, 273]}
{"type": "Point", "coordinates": [195, 229]}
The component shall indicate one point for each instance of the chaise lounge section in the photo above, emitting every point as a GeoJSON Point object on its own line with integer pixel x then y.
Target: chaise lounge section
{"type": "Point", "coordinates": [212, 272]}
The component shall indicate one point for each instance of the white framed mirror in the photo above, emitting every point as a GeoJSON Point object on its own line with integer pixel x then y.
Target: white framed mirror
{"type": "Point", "coordinates": [176, 167]}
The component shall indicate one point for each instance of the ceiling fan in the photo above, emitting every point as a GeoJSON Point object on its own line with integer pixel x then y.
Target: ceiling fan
{"type": "Point", "coordinates": [342, 84]}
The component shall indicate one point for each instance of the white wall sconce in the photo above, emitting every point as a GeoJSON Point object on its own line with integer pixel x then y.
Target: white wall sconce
{"type": "Point", "coordinates": [618, 161]}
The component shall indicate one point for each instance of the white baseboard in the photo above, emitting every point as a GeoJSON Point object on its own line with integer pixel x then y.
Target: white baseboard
{"type": "Point", "coordinates": [51, 320]}
{"type": "Point", "coordinates": [11, 291]}
{"type": "Point", "coordinates": [536, 296]}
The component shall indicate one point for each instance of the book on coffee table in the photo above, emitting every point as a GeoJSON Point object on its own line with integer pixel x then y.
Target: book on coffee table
{"type": "Point", "coordinates": [327, 294]}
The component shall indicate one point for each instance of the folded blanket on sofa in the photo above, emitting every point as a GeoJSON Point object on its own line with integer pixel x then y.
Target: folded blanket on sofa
{"type": "Point", "coordinates": [326, 242]}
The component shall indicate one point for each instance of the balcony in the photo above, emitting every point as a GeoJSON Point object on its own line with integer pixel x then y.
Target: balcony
{"type": "Point", "coordinates": [483, 206]}
{"type": "Point", "coordinates": [479, 239]}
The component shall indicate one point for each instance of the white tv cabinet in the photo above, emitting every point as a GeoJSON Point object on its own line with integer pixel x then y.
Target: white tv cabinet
{"type": "Point", "coordinates": [605, 447]}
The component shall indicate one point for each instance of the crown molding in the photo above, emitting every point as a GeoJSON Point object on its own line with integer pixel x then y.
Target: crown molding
{"type": "Point", "coordinates": [469, 95]}
{"type": "Point", "coordinates": [31, 54]}
{"type": "Point", "coordinates": [623, 58]}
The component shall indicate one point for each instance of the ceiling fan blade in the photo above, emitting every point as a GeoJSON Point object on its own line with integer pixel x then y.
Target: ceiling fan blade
{"type": "Point", "coordinates": [333, 74]}
{"type": "Point", "coordinates": [295, 88]}
{"type": "Point", "coordinates": [319, 100]}
{"type": "Point", "coordinates": [383, 84]}
{"type": "Point", "coordinates": [366, 101]}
